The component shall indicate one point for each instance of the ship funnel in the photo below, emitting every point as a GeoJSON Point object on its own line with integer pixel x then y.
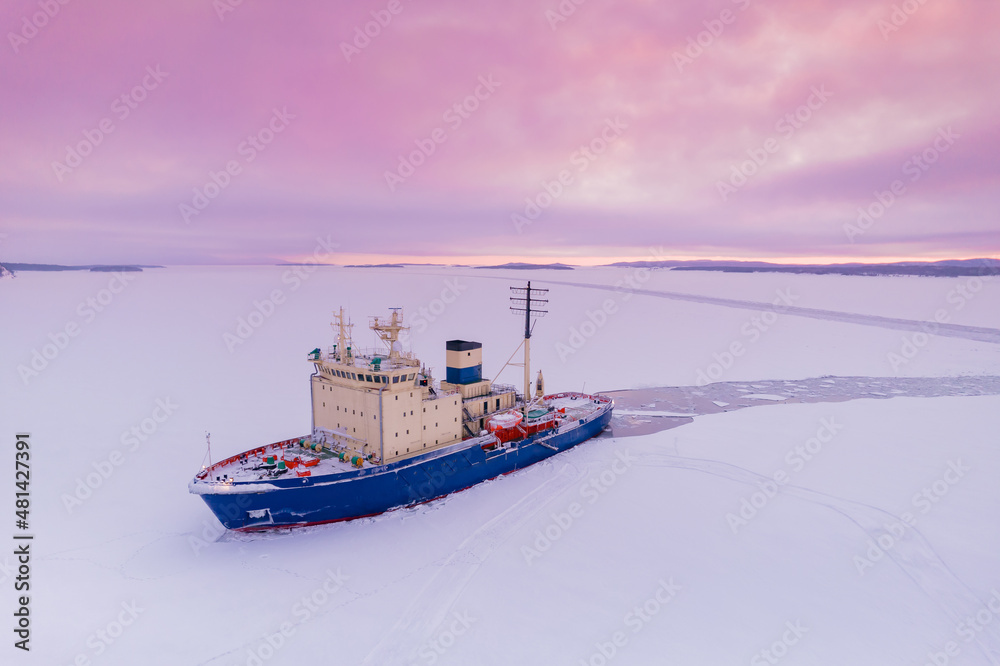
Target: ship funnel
{"type": "Point", "coordinates": [464, 360]}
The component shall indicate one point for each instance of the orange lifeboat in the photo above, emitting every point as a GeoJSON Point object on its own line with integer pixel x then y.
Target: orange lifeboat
{"type": "Point", "coordinates": [505, 426]}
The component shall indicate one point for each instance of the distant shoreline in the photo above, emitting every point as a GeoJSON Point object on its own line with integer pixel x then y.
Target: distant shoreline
{"type": "Point", "coordinates": [945, 268]}
{"type": "Point", "coordinates": [870, 270]}
{"type": "Point", "coordinates": [90, 267]}
{"type": "Point", "coordinates": [519, 266]}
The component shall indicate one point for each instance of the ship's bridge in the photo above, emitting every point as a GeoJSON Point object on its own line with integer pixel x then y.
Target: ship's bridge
{"type": "Point", "coordinates": [366, 368]}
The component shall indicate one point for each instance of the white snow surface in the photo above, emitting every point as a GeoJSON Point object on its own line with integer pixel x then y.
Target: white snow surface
{"type": "Point", "coordinates": [648, 412]}
{"type": "Point", "coordinates": [543, 566]}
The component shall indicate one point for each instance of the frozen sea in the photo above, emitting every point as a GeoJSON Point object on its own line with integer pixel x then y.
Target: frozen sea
{"type": "Point", "coordinates": [803, 470]}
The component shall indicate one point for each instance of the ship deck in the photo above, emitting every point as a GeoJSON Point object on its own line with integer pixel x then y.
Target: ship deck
{"type": "Point", "coordinates": [576, 405]}
{"type": "Point", "coordinates": [299, 457]}
{"type": "Point", "coordinates": [249, 466]}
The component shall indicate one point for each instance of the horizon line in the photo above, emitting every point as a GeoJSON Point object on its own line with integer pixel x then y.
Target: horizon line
{"type": "Point", "coordinates": [581, 262]}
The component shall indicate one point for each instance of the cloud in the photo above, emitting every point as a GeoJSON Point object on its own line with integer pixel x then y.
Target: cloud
{"type": "Point", "coordinates": [356, 117]}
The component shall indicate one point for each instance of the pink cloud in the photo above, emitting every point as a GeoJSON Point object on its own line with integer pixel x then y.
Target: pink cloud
{"type": "Point", "coordinates": [687, 125]}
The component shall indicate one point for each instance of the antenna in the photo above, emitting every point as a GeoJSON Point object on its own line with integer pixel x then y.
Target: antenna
{"type": "Point", "coordinates": [208, 455]}
{"type": "Point", "coordinates": [343, 336]}
{"type": "Point", "coordinates": [524, 302]}
{"type": "Point", "coordinates": [388, 331]}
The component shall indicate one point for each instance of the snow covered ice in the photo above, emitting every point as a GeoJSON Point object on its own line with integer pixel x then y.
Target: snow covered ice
{"type": "Point", "coordinates": [810, 491]}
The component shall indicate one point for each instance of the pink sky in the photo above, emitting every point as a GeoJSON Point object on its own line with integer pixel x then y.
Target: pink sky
{"type": "Point", "coordinates": [668, 130]}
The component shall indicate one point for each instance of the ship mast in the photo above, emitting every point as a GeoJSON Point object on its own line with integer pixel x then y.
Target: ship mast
{"type": "Point", "coordinates": [343, 336]}
{"type": "Point", "coordinates": [388, 332]}
{"type": "Point", "coordinates": [524, 301]}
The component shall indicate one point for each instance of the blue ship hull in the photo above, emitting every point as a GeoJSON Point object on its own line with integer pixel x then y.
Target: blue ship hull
{"type": "Point", "coordinates": [295, 502]}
